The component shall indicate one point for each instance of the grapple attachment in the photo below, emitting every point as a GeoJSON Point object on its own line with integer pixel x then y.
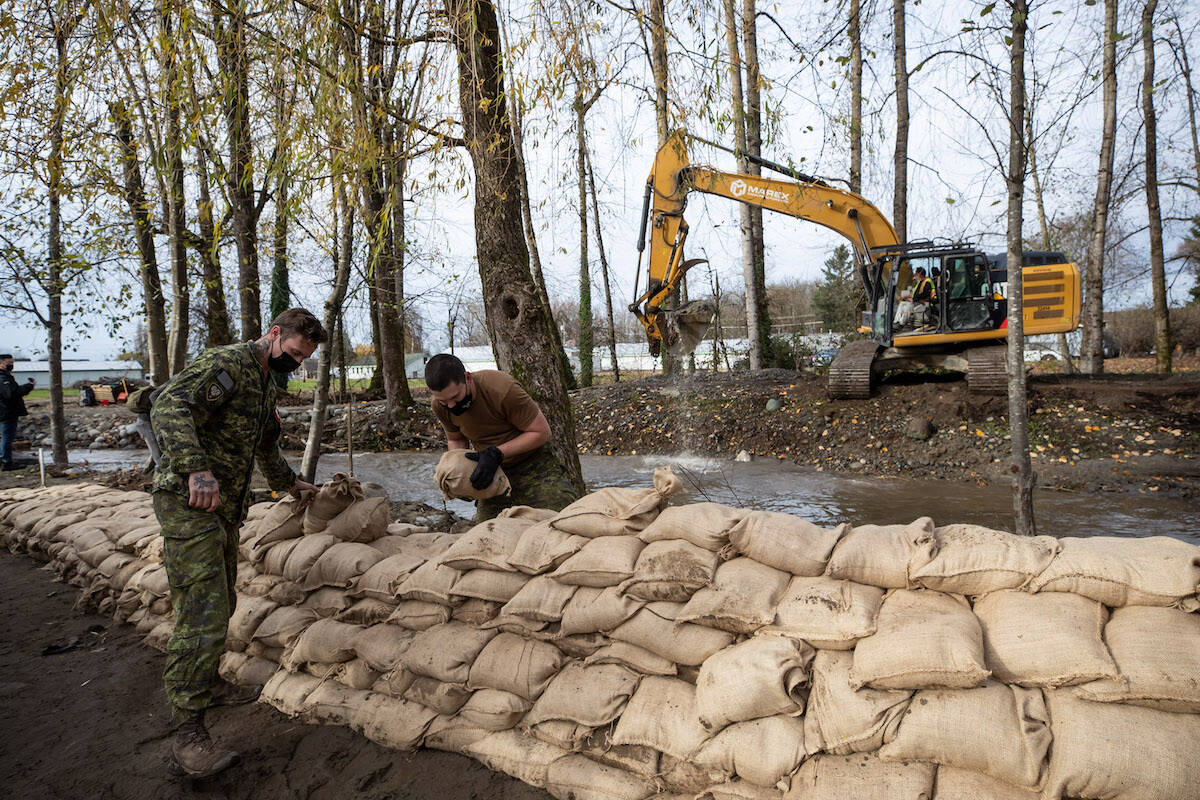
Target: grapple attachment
{"type": "Point", "coordinates": [683, 328]}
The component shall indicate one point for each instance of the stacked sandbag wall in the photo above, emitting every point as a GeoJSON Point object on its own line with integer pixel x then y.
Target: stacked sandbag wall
{"type": "Point", "coordinates": [624, 648]}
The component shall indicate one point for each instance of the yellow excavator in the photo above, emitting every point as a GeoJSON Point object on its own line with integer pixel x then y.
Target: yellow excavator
{"type": "Point", "coordinates": [957, 329]}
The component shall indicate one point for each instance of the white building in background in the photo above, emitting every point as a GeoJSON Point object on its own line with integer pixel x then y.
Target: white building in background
{"type": "Point", "coordinates": [363, 368]}
{"type": "Point", "coordinates": [74, 371]}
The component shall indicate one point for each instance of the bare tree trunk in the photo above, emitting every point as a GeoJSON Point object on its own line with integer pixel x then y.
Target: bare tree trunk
{"type": "Point", "coordinates": [753, 337]}
{"type": "Point", "coordinates": [1162, 318]}
{"type": "Point", "coordinates": [1185, 67]}
{"type": "Point", "coordinates": [1091, 349]}
{"type": "Point", "coordinates": [586, 338]}
{"type": "Point", "coordinates": [397, 163]}
{"type": "Point", "coordinates": [856, 98]}
{"type": "Point", "coordinates": [658, 67]}
{"type": "Point", "coordinates": [230, 31]}
{"type": "Point", "coordinates": [1064, 348]}
{"type": "Point", "coordinates": [516, 318]}
{"type": "Point", "coordinates": [139, 210]}
{"type": "Point", "coordinates": [342, 252]}
{"type": "Point", "coordinates": [176, 199]}
{"type": "Point", "coordinates": [754, 147]}
{"type": "Point", "coordinates": [1018, 405]}
{"type": "Point", "coordinates": [216, 313]}
{"type": "Point", "coordinates": [54, 255]}
{"type": "Point", "coordinates": [900, 157]}
{"type": "Point", "coordinates": [612, 330]}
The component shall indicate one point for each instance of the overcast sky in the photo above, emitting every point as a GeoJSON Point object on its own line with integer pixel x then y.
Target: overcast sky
{"type": "Point", "coordinates": [955, 190]}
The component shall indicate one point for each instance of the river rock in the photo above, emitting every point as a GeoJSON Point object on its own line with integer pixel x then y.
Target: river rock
{"type": "Point", "coordinates": [774, 404]}
{"type": "Point", "coordinates": [919, 429]}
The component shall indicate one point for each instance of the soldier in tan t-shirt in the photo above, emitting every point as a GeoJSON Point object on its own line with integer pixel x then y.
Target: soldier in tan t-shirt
{"type": "Point", "coordinates": [489, 411]}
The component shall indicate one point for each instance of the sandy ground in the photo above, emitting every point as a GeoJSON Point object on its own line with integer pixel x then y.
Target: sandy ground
{"type": "Point", "coordinates": [92, 723]}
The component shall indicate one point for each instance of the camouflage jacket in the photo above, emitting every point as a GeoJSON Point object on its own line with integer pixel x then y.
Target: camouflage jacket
{"type": "Point", "coordinates": [218, 413]}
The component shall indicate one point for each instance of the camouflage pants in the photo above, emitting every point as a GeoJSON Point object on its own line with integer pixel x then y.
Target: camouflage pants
{"type": "Point", "coordinates": [200, 556]}
{"type": "Point", "coordinates": [538, 481]}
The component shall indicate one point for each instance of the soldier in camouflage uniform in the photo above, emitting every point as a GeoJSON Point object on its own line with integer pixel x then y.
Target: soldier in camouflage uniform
{"type": "Point", "coordinates": [212, 420]}
{"type": "Point", "coordinates": [490, 411]}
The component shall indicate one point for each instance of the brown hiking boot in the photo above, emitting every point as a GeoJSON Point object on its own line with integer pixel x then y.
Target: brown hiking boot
{"type": "Point", "coordinates": [195, 754]}
{"type": "Point", "coordinates": [225, 693]}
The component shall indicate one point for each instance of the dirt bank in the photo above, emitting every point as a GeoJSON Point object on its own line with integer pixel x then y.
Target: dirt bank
{"type": "Point", "coordinates": [91, 722]}
{"type": "Point", "coordinates": [1129, 430]}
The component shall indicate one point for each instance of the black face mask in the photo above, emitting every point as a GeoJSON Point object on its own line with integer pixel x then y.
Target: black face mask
{"type": "Point", "coordinates": [461, 405]}
{"type": "Point", "coordinates": [283, 362]}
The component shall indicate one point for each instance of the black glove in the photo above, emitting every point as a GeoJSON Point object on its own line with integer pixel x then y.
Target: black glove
{"type": "Point", "coordinates": [489, 461]}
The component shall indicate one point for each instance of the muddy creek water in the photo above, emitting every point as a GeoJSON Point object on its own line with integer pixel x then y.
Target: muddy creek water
{"type": "Point", "coordinates": [820, 497]}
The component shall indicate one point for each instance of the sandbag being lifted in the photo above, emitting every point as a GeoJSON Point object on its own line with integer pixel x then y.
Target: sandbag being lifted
{"type": "Point", "coordinates": [453, 476]}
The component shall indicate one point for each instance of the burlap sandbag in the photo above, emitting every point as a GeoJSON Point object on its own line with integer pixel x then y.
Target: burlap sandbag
{"type": "Point", "coordinates": [964, 784]}
{"type": "Point", "coordinates": [300, 559]}
{"type": "Point", "coordinates": [732, 790]}
{"type": "Point", "coordinates": [542, 599]}
{"type": "Point", "coordinates": [999, 730]}
{"type": "Point", "coordinates": [1048, 639]}
{"type": "Point", "coordinates": [258, 586]}
{"type": "Point", "coordinates": [283, 520]}
{"type": "Point", "coordinates": [332, 703]}
{"type": "Point", "coordinates": [662, 714]}
{"type": "Point", "coordinates": [616, 511]}
{"type": "Point", "coordinates": [604, 561]}
{"type": "Point", "coordinates": [452, 735]}
{"type": "Point", "coordinates": [705, 525]}
{"type": "Point", "coordinates": [357, 674]}
{"type": "Point", "coordinates": [842, 721]}
{"type": "Point", "coordinates": [275, 556]}
{"type": "Point", "coordinates": [246, 617]}
{"type": "Point", "coordinates": [417, 615]}
{"type": "Point", "coordinates": [488, 584]}
{"type": "Point", "coordinates": [1154, 571]}
{"type": "Point", "coordinates": [381, 646]}
{"type": "Point", "coordinates": [598, 746]}
{"type": "Point", "coordinates": [516, 754]}
{"type": "Point", "coordinates": [1157, 652]}
{"type": "Point", "coordinates": [453, 476]}
{"type": "Point", "coordinates": [759, 677]}
{"type": "Point", "coordinates": [533, 515]}
{"type": "Point", "coordinates": [1121, 752]}
{"type": "Point", "coordinates": [975, 560]}
{"type": "Point", "coordinates": [561, 733]}
{"type": "Point", "coordinates": [762, 751]}
{"type": "Point", "coordinates": [366, 612]}
{"type": "Point", "coordinates": [383, 578]}
{"type": "Point", "coordinates": [287, 593]}
{"type": "Point", "coordinates": [444, 698]}
{"type": "Point", "coordinates": [395, 682]}
{"type": "Point", "coordinates": [593, 610]}
{"type": "Point", "coordinates": [476, 612]}
{"type": "Point", "coordinates": [828, 613]}
{"type": "Point", "coordinates": [671, 570]}
{"type": "Point", "coordinates": [577, 777]}
{"type": "Point", "coordinates": [655, 629]}
{"type": "Point", "coordinates": [585, 695]}
{"type": "Point", "coordinates": [924, 639]}
{"type": "Point", "coordinates": [287, 691]}
{"type": "Point", "coordinates": [283, 626]}
{"type": "Point", "coordinates": [333, 498]}
{"type": "Point", "coordinates": [431, 583]}
{"type": "Point", "coordinates": [362, 521]}
{"type": "Point", "coordinates": [393, 723]}
{"type": "Point", "coordinates": [445, 652]}
{"type": "Point", "coordinates": [638, 659]}
{"type": "Point", "coordinates": [861, 776]}
{"type": "Point", "coordinates": [742, 598]}
{"type": "Point", "coordinates": [255, 671]}
{"type": "Point", "coordinates": [516, 665]}
{"type": "Point", "coordinates": [542, 548]}
{"type": "Point", "coordinates": [341, 565]}
{"type": "Point", "coordinates": [326, 641]}
{"type": "Point", "coordinates": [785, 541]}
{"type": "Point", "coordinates": [884, 555]}
{"type": "Point", "coordinates": [486, 546]}
{"type": "Point", "coordinates": [328, 601]}
{"type": "Point", "coordinates": [494, 710]}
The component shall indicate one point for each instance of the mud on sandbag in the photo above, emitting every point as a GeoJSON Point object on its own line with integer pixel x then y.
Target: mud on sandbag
{"type": "Point", "coordinates": [453, 476]}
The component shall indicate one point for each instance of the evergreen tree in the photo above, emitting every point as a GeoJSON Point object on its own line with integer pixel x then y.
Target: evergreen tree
{"type": "Point", "coordinates": [836, 295]}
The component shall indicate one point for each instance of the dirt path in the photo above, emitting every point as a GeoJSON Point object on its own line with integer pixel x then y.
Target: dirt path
{"type": "Point", "coordinates": [91, 723]}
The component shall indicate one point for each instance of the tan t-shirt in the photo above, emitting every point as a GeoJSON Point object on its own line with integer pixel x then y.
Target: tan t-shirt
{"type": "Point", "coordinates": [500, 412]}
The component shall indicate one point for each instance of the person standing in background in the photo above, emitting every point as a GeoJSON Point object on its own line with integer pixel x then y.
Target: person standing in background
{"type": "Point", "coordinates": [12, 408]}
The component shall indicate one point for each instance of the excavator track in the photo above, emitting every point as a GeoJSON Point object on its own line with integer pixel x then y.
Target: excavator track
{"type": "Point", "coordinates": [986, 370]}
{"type": "Point", "coordinates": [851, 371]}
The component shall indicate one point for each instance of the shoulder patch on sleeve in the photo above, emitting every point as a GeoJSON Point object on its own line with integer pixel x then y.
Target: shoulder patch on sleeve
{"type": "Point", "coordinates": [218, 387]}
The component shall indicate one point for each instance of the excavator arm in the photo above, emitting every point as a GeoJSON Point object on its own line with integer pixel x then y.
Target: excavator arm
{"type": "Point", "coordinates": [673, 178]}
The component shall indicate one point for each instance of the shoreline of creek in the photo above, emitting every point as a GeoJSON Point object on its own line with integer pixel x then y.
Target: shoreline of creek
{"type": "Point", "coordinates": [1114, 433]}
